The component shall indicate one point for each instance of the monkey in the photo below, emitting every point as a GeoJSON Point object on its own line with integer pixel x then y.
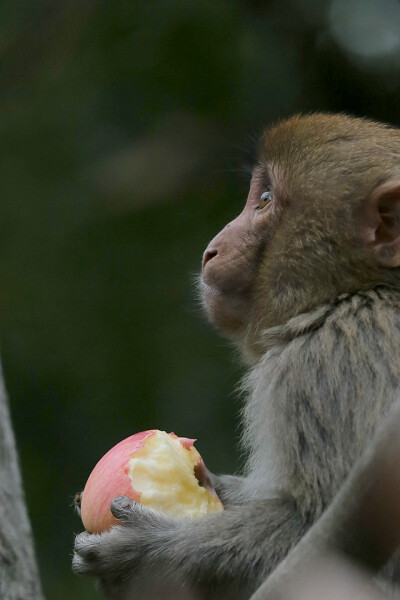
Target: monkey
{"type": "Point", "coordinates": [305, 282]}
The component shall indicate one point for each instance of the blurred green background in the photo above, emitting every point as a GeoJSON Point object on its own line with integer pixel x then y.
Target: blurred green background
{"type": "Point", "coordinates": [127, 132]}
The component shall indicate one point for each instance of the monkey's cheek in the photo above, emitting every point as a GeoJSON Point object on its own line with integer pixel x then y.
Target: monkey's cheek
{"type": "Point", "coordinates": [159, 470]}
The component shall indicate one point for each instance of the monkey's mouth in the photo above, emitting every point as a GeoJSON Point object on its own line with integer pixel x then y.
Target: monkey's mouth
{"type": "Point", "coordinates": [223, 287]}
{"type": "Point", "coordinates": [208, 255]}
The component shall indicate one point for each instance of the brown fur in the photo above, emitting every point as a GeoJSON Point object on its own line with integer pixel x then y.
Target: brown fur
{"type": "Point", "coordinates": [323, 168]}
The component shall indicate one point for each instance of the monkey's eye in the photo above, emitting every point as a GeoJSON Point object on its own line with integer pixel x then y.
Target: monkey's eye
{"type": "Point", "coordinates": [265, 199]}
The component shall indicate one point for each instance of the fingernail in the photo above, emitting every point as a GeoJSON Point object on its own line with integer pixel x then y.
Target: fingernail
{"type": "Point", "coordinates": [122, 501]}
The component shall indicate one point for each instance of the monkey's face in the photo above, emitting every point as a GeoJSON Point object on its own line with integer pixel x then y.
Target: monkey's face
{"type": "Point", "coordinates": [322, 218]}
{"type": "Point", "coordinates": [231, 260]}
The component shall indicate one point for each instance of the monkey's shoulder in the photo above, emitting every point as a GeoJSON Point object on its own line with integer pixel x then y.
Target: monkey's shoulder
{"type": "Point", "coordinates": [362, 328]}
{"type": "Point", "coordinates": [379, 299]}
{"type": "Point", "coordinates": [376, 309]}
{"type": "Point", "coordinates": [372, 314]}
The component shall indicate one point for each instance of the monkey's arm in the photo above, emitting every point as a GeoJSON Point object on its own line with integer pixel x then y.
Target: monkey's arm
{"type": "Point", "coordinates": [361, 523]}
{"type": "Point", "coordinates": [225, 555]}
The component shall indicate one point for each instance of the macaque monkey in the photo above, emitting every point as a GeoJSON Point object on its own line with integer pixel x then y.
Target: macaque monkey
{"type": "Point", "coordinates": [306, 283]}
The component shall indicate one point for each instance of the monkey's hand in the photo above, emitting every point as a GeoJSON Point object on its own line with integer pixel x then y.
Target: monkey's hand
{"type": "Point", "coordinates": [126, 552]}
{"type": "Point", "coordinates": [228, 488]}
{"type": "Point", "coordinates": [219, 556]}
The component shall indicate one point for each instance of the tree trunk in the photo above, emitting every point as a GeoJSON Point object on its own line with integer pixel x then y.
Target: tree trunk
{"type": "Point", "coordinates": [19, 578]}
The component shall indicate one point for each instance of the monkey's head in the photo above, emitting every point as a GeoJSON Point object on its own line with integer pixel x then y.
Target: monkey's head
{"type": "Point", "coordinates": [322, 218]}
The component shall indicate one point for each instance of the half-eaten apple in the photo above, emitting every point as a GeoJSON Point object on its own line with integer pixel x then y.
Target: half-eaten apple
{"type": "Point", "coordinates": [157, 469]}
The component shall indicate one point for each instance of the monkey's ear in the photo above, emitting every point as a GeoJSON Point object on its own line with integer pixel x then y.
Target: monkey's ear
{"type": "Point", "coordinates": [382, 223]}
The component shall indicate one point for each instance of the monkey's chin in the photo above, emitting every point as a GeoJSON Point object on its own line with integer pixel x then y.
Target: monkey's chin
{"type": "Point", "coordinates": [226, 311]}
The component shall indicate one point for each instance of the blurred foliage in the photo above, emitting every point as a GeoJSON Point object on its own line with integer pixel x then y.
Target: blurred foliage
{"type": "Point", "coordinates": [125, 128]}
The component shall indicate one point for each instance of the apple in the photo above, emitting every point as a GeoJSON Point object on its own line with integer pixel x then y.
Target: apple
{"type": "Point", "coordinates": [157, 469]}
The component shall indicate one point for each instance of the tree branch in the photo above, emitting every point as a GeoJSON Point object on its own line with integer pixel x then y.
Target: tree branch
{"type": "Point", "coordinates": [19, 579]}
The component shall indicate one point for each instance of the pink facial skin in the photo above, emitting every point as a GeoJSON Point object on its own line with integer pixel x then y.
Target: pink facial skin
{"type": "Point", "coordinates": [110, 479]}
{"type": "Point", "coordinates": [230, 262]}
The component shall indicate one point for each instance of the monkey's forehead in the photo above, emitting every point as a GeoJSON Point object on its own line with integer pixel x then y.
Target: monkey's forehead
{"type": "Point", "coordinates": [305, 137]}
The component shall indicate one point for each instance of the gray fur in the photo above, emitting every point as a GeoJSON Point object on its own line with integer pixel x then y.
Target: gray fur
{"type": "Point", "coordinates": [313, 401]}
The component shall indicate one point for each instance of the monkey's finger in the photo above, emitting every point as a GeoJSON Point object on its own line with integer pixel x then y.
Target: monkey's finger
{"type": "Point", "coordinates": [90, 553]}
{"type": "Point", "coordinates": [80, 566]}
{"type": "Point", "coordinates": [81, 540]}
{"type": "Point", "coordinates": [86, 545]}
{"type": "Point", "coordinates": [123, 508]}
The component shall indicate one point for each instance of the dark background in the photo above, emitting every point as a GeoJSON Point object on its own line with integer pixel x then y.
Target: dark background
{"type": "Point", "coordinates": [127, 132]}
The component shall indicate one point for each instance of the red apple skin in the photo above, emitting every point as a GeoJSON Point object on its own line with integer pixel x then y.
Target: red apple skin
{"type": "Point", "coordinates": [110, 479]}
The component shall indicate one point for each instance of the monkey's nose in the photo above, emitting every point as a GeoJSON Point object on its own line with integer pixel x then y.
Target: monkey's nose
{"type": "Point", "coordinates": [208, 255]}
